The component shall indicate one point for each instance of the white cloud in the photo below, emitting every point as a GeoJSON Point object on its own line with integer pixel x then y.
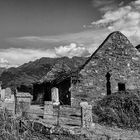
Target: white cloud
{"type": "Point", "coordinates": [125, 19]}
{"type": "Point", "coordinates": [113, 16]}
{"type": "Point", "coordinates": [19, 56]}
{"type": "Point", "coordinates": [137, 3]}
{"type": "Point", "coordinates": [72, 50]}
{"type": "Point", "coordinates": [4, 62]}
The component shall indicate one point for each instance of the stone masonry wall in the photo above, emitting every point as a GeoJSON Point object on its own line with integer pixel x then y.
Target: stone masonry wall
{"type": "Point", "coordinates": [118, 57]}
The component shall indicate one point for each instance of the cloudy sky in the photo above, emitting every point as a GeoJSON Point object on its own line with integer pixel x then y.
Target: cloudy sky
{"type": "Point", "coordinates": [31, 29]}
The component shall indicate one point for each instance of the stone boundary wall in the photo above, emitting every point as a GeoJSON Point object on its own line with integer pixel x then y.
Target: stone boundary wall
{"type": "Point", "coordinates": [57, 115]}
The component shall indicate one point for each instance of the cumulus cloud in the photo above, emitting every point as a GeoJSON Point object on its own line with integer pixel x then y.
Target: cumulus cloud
{"type": "Point", "coordinates": [19, 56]}
{"type": "Point", "coordinates": [4, 62]}
{"type": "Point", "coordinates": [113, 16]}
{"type": "Point", "coordinates": [125, 19]}
{"type": "Point", "coordinates": [72, 50]}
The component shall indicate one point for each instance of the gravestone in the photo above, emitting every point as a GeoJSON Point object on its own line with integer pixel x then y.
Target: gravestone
{"type": "Point", "coordinates": [86, 114]}
{"type": "Point", "coordinates": [55, 96]}
{"type": "Point", "coordinates": [23, 102]}
{"type": "Point", "coordinates": [22, 107]}
{"type": "Point", "coordinates": [48, 109]}
{"type": "Point", "coordinates": [3, 94]}
{"type": "Point", "coordinates": [10, 105]}
{"type": "Point", "coordinates": [8, 93]}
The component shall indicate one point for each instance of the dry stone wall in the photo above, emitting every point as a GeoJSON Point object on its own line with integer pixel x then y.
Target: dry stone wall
{"type": "Point", "coordinates": [118, 57]}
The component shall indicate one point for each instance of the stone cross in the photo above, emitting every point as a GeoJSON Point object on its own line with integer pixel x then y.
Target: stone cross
{"type": "Point", "coordinates": [86, 114]}
{"type": "Point", "coordinates": [55, 96]}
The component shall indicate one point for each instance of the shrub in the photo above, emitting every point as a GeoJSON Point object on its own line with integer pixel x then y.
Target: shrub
{"type": "Point", "coordinates": [121, 109]}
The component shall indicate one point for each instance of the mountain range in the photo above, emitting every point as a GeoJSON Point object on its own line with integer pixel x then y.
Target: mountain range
{"type": "Point", "coordinates": [31, 72]}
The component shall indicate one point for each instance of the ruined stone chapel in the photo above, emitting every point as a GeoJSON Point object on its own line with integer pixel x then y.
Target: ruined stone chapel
{"type": "Point", "coordinates": [113, 67]}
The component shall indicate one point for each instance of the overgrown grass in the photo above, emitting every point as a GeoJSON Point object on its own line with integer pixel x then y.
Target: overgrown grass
{"type": "Point", "coordinates": [16, 128]}
{"type": "Point", "coordinates": [24, 128]}
{"type": "Point", "coordinates": [121, 109]}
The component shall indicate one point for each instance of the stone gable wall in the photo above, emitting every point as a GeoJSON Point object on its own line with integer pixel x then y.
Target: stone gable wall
{"type": "Point", "coordinates": [116, 56]}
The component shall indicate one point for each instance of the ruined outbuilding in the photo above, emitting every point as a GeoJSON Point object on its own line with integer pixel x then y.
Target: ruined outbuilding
{"type": "Point", "coordinates": [50, 88]}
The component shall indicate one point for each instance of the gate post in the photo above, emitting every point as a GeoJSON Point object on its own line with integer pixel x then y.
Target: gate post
{"type": "Point", "coordinates": [86, 112]}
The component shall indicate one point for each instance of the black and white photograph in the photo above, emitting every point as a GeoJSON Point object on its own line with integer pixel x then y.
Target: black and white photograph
{"type": "Point", "coordinates": [69, 69]}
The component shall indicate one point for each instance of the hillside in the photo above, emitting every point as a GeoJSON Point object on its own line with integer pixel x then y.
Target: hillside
{"type": "Point", "coordinates": [2, 69]}
{"type": "Point", "coordinates": [31, 72]}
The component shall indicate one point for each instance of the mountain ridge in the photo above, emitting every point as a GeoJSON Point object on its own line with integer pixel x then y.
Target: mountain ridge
{"type": "Point", "coordinates": [34, 71]}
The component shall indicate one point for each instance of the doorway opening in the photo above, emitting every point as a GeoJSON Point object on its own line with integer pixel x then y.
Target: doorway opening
{"type": "Point", "coordinates": [64, 93]}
